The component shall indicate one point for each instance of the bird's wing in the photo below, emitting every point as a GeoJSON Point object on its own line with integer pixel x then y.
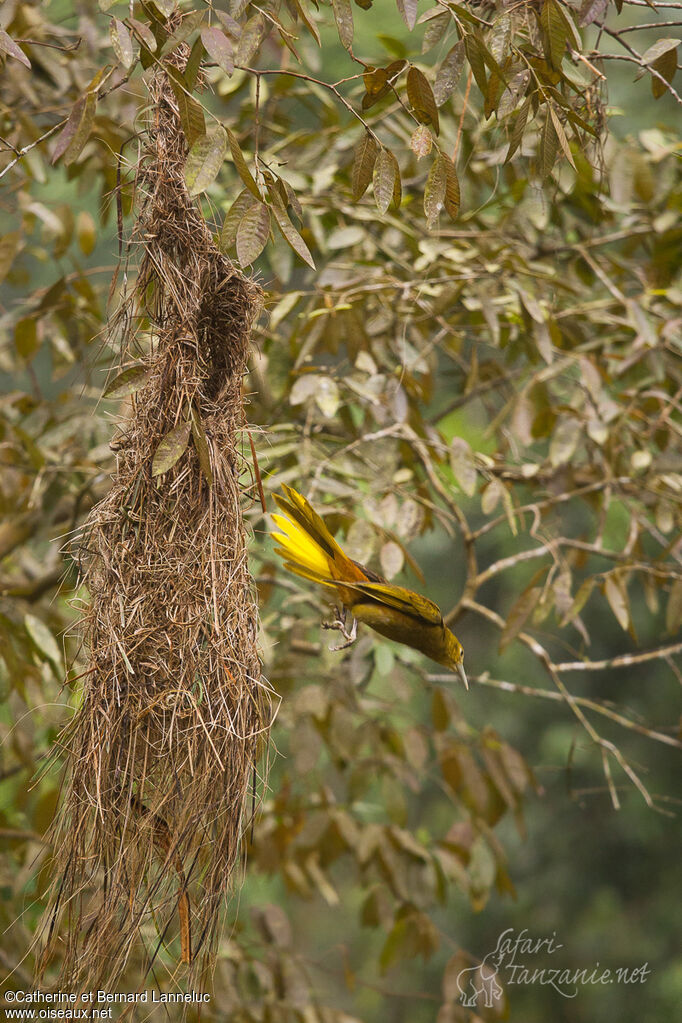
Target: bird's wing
{"type": "Point", "coordinates": [402, 599]}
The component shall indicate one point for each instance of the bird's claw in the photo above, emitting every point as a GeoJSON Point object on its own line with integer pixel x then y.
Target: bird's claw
{"type": "Point", "coordinates": [339, 624]}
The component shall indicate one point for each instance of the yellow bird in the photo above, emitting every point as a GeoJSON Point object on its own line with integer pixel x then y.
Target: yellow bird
{"type": "Point", "coordinates": [309, 550]}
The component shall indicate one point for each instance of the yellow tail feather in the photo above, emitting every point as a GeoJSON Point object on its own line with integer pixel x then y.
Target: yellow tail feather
{"type": "Point", "coordinates": [297, 547]}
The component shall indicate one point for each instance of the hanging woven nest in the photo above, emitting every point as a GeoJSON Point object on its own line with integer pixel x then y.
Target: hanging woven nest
{"type": "Point", "coordinates": [174, 716]}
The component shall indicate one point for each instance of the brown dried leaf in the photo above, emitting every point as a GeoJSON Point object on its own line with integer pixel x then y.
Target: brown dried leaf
{"type": "Point", "coordinates": [617, 596]}
{"type": "Point", "coordinates": [204, 161]}
{"type": "Point", "coordinates": [190, 111]}
{"type": "Point", "coordinates": [363, 165]}
{"type": "Point", "coordinates": [121, 42]}
{"type": "Point", "coordinates": [253, 233]}
{"type": "Point", "coordinates": [127, 382]}
{"type": "Point", "coordinates": [171, 448]}
{"type": "Point", "coordinates": [421, 98]}
{"type": "Point", "coordinates": [343, 16]}
{"type": "Point", "coordinates": [448, 74]}
{"type": "Point", "coordinates": [463, 465]}
{"type": "Point", "coordinates": [219, 48]}
{"type": "Point", "coordinates": [8, 46]}
{"type": "Point", "coordinates": [421, 142]}
{"type": "Point", "coordinates": [241, 165]}
{"type": "Point", "coordinates": [250, 39]}
{"type": "Point", "coordinates": [385, 172]}
{"type": "Point", "coordinates": [291, 235]}
{"type": "Point", "coordinates": [408, 12]}
{"type": "Point", "coordinates": [76, 131]}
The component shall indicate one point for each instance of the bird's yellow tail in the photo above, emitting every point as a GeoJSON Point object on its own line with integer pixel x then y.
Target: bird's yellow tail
{"type": "Point", "coordinates": [306, 544]}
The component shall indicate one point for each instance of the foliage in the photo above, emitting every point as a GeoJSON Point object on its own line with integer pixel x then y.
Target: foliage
{"type": "Point", "coordinates": [485, 355]}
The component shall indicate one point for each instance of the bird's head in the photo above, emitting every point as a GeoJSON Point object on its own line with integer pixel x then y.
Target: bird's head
{"type": "Point", "coordinates": [454, 656]}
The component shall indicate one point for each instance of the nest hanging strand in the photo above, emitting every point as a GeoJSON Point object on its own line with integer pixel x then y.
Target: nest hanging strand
{"type": "Point", "coordinates": [174, 714]}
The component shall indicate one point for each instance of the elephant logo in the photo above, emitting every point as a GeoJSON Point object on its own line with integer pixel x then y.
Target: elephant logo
{"type": "Point", "coordinates": [480, 982]}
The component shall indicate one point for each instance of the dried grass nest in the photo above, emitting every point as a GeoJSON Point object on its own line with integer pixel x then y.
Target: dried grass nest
{"type": "Point", "coordinates": [175, 714]}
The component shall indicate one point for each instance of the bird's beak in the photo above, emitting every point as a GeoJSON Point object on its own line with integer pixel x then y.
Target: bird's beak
{"type": "Point", "coordinates": [463, 675]}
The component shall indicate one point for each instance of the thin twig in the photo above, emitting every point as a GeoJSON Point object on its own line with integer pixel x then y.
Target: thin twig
{"type": "Point", "coordinates": [622, 660]}
{"type": "Point", "coordinates": [556, 697]}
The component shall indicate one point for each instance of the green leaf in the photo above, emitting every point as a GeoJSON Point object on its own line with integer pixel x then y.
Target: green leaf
{"type": "Point", "coordinates": [189, 24]}
{"type": "Point", "coordinates": [291, 235]}
{"type": "Point", "coordinates": [555, 31]}
{"type": "Point", "coordinates": [617, 596]}
{"type": "Point", "coordinates": [250, 40]}
{"type": "Point", "coordinates": [581, 598]}
{"type": "Point", "coordinates": [327, 397]}
{"type": "Point", "coordinates": [474, 54]}
{"type": "Point", "coordinates": [482, 869]}
{"type": "Point", "coordinates": [171, 448]}
{"type": "Point", "coordinates": [308, 21]}
{"type": "Point", "coordinates": [26, 339]}
{"type": "Point", "coordinates": [253, 233]}
{"type": "Point", "coordinates": [121, 42]}
{"type": "Point", "coordinates": [518, 127]}
{"type": "Point", "coordinates": [385, 172]}
{"type": "Point", "coordinates": [86, 232]}
{"type": "Point", "coordinates": [219, 48]}
{"type": "Point", "coordinates": [193, 64]}
{"type": "Point", "coordinates": [399, 935]}
{"type": "Point", "coordinates": [448, 74]}
{"type": "Point", "coordinates": [204, 161]}
{"type": "Point", "coordinates": [201, 444]}
{"type": "Point", "coordinates": [343, 16]}
{"type": "Point", "coordinates": [490, 498]}
{"type": "Point", "coordinates": [242, 168]}
{"type": "Point", "coordinates": [548, 148]}
{"type": "Point", "coordinates": [165, 7]}
{"type": "Point", "coordinates": [233, 218]}
{"type": "Point", "coordinates": [657, 50]}
{"type": "Point", "coordinates": [493, 94]}
{"type": "Point", "coordinates": [363, 165]}
{"type": "Point", "coordinates": [190, 111]}
{"type": "Point", "coordinates": [76, 131]}
{"type": "Point", "coordinates": [564, 440]}
{"type": "Point", "coordinates": [408, 12]}
{"type": "Point", "coordinates": [127, 382]}
{"type": "Point", "coordinates": [662, 57]}
{"type": "Point", "coordinates": [44, 641]}
{"type": "Point", "coordinates": [673, 616]}
{"type": "Point", "coordinates": [8, 46]}
{"type": "Point", "coordinates": [421, 98]}
{"type": "Point", "coordinates": [561, 135]}
{"type": "Point", "coordinates": [463, 465]}
{"type": "Point", "coordinates": [9, 246]}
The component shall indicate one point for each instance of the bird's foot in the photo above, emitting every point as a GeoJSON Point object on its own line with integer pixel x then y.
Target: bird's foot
{"type": "Point", "coordinates": [339, 624]}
